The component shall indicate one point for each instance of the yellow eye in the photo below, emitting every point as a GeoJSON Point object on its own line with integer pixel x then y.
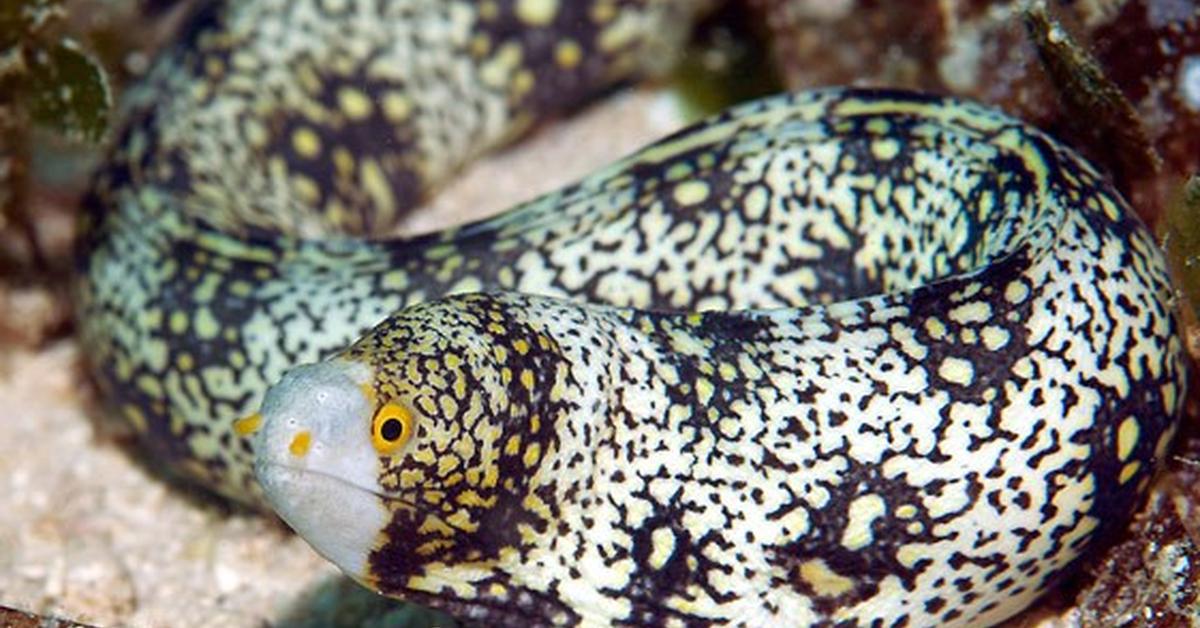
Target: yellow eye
{"type": "Point", "coordinates": [391, 428]}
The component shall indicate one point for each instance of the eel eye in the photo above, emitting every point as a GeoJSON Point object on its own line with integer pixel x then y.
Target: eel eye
{"type": "Point", "coordinates": [391, 428]}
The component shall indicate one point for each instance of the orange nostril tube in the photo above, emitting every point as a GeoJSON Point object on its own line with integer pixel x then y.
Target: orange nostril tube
{"type": "Point", "coordinates": [300, 443]}
{"type": "Point", "coordinates": [248, 424]}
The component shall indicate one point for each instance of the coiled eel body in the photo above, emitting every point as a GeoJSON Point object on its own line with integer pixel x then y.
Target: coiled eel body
{"type": "Point", "coordinates": [978, 377]}
{"type": "Point", "coordinates": [986, 397]}
{"type": "Point", "coordinates": [212, 260]}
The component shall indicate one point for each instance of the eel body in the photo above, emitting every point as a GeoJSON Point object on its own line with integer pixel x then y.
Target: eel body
{"type": "Point", "coordinates": [983, 379]}
{"type": "Point", "coordinates": [215, 253]}
{"type": "Point", "coordinates": [974, 374]}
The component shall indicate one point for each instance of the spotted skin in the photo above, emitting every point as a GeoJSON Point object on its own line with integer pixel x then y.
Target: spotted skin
{"type": "Point", "coordinates": [985, 377]}
{"type": "Point", "coordinates": [211, 259]}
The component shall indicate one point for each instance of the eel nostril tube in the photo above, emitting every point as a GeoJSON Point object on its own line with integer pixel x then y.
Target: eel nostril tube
{"type": "Point", "coordinates": [300, 443]}
{"type": "Point", "coordinates": [248, 424]}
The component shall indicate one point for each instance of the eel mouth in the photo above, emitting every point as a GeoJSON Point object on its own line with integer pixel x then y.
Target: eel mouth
{"type": "Point", "coordinates": [294, 474]}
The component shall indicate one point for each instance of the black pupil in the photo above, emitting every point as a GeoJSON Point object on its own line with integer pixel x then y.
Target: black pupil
{"type": "Point", "coordinates": [391, 429]}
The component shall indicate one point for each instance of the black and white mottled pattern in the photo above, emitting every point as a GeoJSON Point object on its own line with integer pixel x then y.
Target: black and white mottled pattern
{"type": "Point", "coordinates": [272, 124]}
{"type": "Point", "coordinates": [985, 376]}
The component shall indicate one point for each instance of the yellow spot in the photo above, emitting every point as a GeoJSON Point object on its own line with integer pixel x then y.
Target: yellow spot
{"type": "Point", "coordinates": [533, 453]}
{"type": "Point", "coordinates": [863, 511]}
{"type": "Point", "coordinates": [935, 328]}
{"type": "Point", "coordinates": [462, 520]}
{"type": "Point", "coordinates": [395, 280]}
{"type": "Point", "coordinates": [957, 371]}
{"type": "Point", "coordinates": [704, 390]}
{"type": "Point", "coordinates": [879, 126]}
{"type": "Point", "coordinates": [691, 192]}
{"type": "Point", "coordinates": [527, 379]}
{"type": "Point", "coordinates": [754, 203]}
{"type": "Point", "coordinates": [728, 371]}
{"type": "Point", "coordinates": [1169, 397]}
{"type": "Point", "coordinates": [1023, 368]}
{"type": "Point", "coordinates": [513, 445]}
{"type": "Point", "coordinates": [498, 70]}
{"type": "Point", "coordinates": [1127, 437]}
{"type": "Point", "coordinates": [796, 523]}
{"type": "Point", "coordinates": [1164, 443]}
{"type": "Point", "coordinates": [973, 312]}
{"type": "Point", "coordinates": [306, 189]}
{"type": "Point", "coordinates": [396, 106]}
{"type": "Point", "coordinates": [908, 555]}
{"type": "Point", "coordinates": [247, 425]}
{"type": "Point", "coordinates": [471, 498]}
{"type": "Point", "coordinates": [179, 322]}
{"type": "Point", "coordinates": [154, 316]}
{"type": "Point", "coordinates": [1016, 292]}
{"type": "Point", "coordinates": [354, 103]}
{"type": "Point", "coordinates": [150, 385]}
{"type": "Point", "coordinates": [412, 477]}
{"type": "Point", "coordinates": [480, 45]}
{"type": "Point", "coordinates": [448, 405]}
{"type": "Point", "coordinates": [824, 581]}
{"type": "Point", "coordinates": [907, 511]}
{"type": "Point", "coordinates": [488, 10]}
{"type": "Point", "coordinates": [300, 443]}
{"type": "Point", "coordinates": [603, 11]}
{"type": "Point", "coordinates": [885, 149]}
{"type": "Point", "coordinates": [240, 288]}
{"type": "Point", "coordinates": [994, 338]}
{"type": "Point", "coordinates": [433, 497]}
{"type": "Point", "coordinates": [505, 277]}
{"type": "Point", "coordinates": [534, 504]}
{"type": "Point", "coordinates": [207, 326]}
{"type": "Point", "coordinates": [521, 346]}
{"type": "Point", "coordinates": [343, 161]}
{"type": "Point", "coordinates": [1110, 208]}
{"type": "Point", "coordinates": [1128, 471]}
{"type": "Point", "coordinates": [375, 182]}
{"type": "Point", "coordinates": [447, 464]}
{"type": "Point", "coordinates": [306, 142]}
{"type": "Point", "coordinates": [185, 362]}
{"type": "Point", "coordinates": [537, 12]}
{"type": "Point", "coordinates": [522, 83]}
{"type": "Point", "coordinates": [214, 67]}
{"type": "Point", "coordinates": [567, 54]}
{"type": "Point", "coordinates": [662, 546]}
{"type": "Point", "coordinates": [436, 526]}
{"type": "Point", "coordinates": [679, 171]}
{"type": "Point", "coordinates": [135, 416]}
{"type": "Point", "coordinates": [255, 133]}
